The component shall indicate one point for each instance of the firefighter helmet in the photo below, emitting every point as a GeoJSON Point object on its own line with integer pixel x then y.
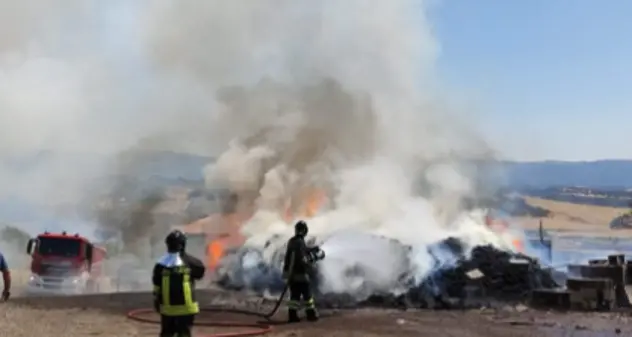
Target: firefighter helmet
{"type": "Point", "coordinates": [176, 241]}
{"type": "Point", "coordinates": [300, 228]}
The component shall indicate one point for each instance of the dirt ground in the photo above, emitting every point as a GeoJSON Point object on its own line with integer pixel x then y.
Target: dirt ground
{"type": "Point", "coordinates": [104, 316]}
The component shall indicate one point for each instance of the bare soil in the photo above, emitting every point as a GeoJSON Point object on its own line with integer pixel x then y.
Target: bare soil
{"type": "Point", "coordinates": [104, 315]}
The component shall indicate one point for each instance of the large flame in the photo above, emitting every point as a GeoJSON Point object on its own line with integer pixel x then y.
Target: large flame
{"type": "Point", "coordinates": [308, 207]}
{"type": "Point", "coordinates": [223, 230]}
{"type": "Point", "coordinates": [315, 202]}
{"type": "Point", "coordinates": [222, 233]}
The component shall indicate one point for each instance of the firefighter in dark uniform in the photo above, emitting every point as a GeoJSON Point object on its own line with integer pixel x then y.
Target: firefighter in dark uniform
{"type": "Point", "coordinates": [296, 272]}
{"type": "Point", "coordinates": [174, 280]}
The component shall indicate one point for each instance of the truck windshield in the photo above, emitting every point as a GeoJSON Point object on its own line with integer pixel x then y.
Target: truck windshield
{"type": "Point", "coordinates": [59, 247]}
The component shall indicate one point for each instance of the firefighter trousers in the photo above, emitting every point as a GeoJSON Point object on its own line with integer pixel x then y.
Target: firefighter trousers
{"type": "Point", "coordinates": [301, 297]}
{"type": "Point", "coordinates": [176, 326]}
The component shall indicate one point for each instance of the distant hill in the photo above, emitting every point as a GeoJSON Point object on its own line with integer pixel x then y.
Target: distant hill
{"type": "Point", "coordinates": [167, 165]}
{"type": "Point", "coordinates": [604, 174]}
{"type": "Point", "coordinates": [606, 182]}
{"type": "Point", "coordinates": [142, 164]}
{"type": "Point", "coordinates": [583, 195]}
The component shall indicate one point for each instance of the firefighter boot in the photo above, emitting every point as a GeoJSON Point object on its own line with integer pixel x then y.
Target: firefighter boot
{"type": "Point", "coordinates": [312, 314]}
{"type": "Point", "coordinates": [292, 316]}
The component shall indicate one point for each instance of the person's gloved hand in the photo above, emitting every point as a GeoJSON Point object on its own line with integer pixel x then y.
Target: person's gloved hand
{"type": "Point", "coordinates": [5, 295]}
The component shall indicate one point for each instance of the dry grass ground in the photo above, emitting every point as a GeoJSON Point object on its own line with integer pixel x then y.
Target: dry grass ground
{"type": "Point", "coordinates": [18, 321]}
{"type": "Point", "coordinates": [574, 217]}
{"type": "Point", "coordinates": [58, 318]}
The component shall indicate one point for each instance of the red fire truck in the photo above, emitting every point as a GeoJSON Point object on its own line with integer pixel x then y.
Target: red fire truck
{"type": "Point", "coordinates": [64, 264]}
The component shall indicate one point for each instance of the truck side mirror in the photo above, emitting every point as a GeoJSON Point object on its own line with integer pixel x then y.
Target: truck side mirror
{"type": "Point", "coordinates": [89, 253]}
{"type": "Point", "coordinates": [30, 246]}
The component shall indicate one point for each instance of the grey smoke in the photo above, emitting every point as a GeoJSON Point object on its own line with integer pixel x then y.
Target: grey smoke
{"type": "Point", "coordinates": [332, 95]}
{"type": "Point", "coordinates": [291, 95]}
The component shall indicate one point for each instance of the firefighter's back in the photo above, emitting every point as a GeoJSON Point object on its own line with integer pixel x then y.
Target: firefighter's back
{"type": "Point", "coordinates": [294, 258]}
{"type": "Point", "coordinates": [177, 274]}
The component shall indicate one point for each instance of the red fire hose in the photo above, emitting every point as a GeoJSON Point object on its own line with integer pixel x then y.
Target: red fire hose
{"type": "Point", "coordinates": [257, 329]}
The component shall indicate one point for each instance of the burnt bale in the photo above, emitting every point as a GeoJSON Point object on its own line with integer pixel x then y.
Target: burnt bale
{"type": "Point", "coordinates": [487, 274]}
{"type": "Point", "coordinates": [459, 280]}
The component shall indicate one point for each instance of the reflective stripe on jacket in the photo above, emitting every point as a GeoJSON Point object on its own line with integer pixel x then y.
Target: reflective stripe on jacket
{"type": "Point", "coordinates": [174, 283]}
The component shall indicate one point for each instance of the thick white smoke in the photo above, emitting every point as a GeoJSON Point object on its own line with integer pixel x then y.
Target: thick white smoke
{"type": "Point", "coordinates": [76, 91]}
{"type": "Point", "coordinates": [332, 95]}
{"type": "Point", "coordinates": [336, 96]}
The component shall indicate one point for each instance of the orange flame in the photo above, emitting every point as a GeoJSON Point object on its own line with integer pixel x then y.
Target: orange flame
{"type": "Point", "coordinates": [287, 215]}
{"type": "Point", "coordinates": [215, 252]}
{"type": "Point", "coordinates": [314, 201]}
{"type": "Point", "coordinates": [500, 226]}
{"type": "Point", "coordinates": [518, 245]}
{"type": "Point", "coordinates": [222, 230]}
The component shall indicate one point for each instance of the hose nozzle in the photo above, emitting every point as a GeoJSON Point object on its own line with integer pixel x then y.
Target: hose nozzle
{"type": "Point", "coordinates": [316, 254]}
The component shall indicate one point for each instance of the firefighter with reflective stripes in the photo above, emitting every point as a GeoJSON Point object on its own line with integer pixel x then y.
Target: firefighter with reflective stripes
{"type": "Point", "coordinates": [174, 280]}
{"type": "Point", "coordinates": [296, 271]}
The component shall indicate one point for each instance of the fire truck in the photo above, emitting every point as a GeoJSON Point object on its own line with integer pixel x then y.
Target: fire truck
{"type": "Point", "coordinates": [64, 264]}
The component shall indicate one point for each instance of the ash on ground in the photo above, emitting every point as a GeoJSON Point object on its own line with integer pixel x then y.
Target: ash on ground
{"type": "Point", "coordinates": [484, 276]}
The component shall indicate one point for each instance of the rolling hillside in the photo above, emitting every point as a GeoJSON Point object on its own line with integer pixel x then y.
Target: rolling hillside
{"type": "Point", "coordinates": [615, 174]}
{"type": "Point", "coordinates": [606, 182]}
{"type": "Point", "coordinates": [606, 174]}
{"type": "Point", "coordinates": [572, 217]}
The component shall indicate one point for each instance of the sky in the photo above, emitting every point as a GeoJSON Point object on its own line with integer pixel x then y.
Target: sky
{"type": "Point", "coordinates": [545, 79]}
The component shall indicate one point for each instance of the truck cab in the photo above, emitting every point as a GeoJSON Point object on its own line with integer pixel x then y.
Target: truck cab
{"type": "Point", "coordinates": [63, 263]}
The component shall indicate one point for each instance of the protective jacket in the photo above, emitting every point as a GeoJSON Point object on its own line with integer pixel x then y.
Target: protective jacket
{"type": "Point", "coordinates": [174, 279]}
{"type": "Point", "coordinates": [297, 267]}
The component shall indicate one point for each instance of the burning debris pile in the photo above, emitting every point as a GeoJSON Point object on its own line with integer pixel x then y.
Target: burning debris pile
{"type": "Point", "coordinates": [458, 277]}
{"type": "Point", "coordinates": [488, 275]}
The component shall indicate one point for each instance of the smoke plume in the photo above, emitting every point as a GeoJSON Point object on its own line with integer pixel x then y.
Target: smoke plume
{"type": "Point", "coordinates": [77, 92]}
{"type": "Point", "coordinates": [336, 97]}
{"type": "Point", "coordinates": [296, 98]}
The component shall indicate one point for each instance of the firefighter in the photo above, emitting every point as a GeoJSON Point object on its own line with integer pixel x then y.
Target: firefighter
{"type": "Point", "coordinates": [6, 277]}
{"type": "Point", "coordinates": [296, 271]}
{"type": "Point", "coordinates": [174, 280]}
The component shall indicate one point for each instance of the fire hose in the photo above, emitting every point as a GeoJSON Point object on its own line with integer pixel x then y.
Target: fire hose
{"type": "Point", "coordinates": [257, 329]}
